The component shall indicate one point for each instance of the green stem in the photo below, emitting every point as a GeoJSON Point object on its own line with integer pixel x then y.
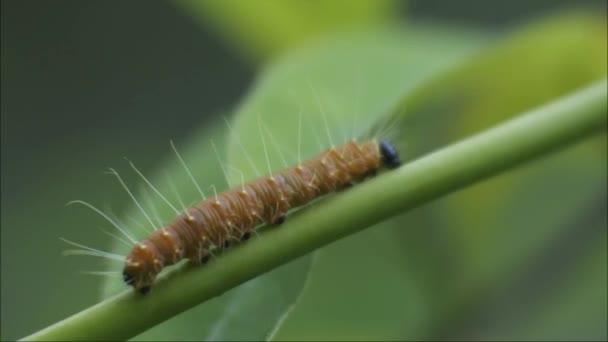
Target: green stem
{"type": "Point", "coordinates": [437, 174]}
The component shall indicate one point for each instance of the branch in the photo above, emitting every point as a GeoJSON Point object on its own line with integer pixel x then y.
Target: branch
{"type": "Point", "coordinates": [437, 174]}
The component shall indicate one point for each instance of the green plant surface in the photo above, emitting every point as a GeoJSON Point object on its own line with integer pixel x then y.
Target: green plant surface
{"type": "Point", "coordinates": [576, 295]}
{"type": "Point", "coordinates": [540, 131]}
{"type": "Point", "coordinates": [259, 30]}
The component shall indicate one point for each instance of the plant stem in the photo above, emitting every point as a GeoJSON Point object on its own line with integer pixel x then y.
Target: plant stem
{"type": "Point", "coordinates": [430, 177]}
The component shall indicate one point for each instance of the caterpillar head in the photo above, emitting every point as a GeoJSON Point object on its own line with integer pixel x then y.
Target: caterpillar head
{"type": "Point", "coordinates": [140, 269]}
{"type": "Point", "coordinates": [390, 156]}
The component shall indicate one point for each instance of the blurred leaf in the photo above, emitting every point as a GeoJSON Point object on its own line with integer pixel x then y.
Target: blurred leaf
{"type": "Point", "coordinates": [460, 249]}
{"type": "Point", "coordinates": [229, 317]}
{"type": "Point", "coordinates": [540, 62]}
{"type": "Point", "coordinates": [584, 292]}
{"type": "Point", "coordinates": [260, 30]}
{"type": "Point", "coordinates": [496, 226]}
{"type": "Point", "coordinates": [537, 300]}
{"type": "Point", "coordinates": [358, 292]}
{"type": "Point", "coordinates": [341, 85]}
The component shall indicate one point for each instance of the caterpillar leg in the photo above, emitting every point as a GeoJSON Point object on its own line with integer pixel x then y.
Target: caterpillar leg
{"type": "Point", "coordinates": [231, 240]}
{"type": "Point", "coordinates": [347, 185]}
{"type": "Point", "coordinates": [128, 278]}
{"type": "Point", "coordinates": [371, 173]}
{"type": "Point", "coordinates": [144, 290]}
{"type": "Point", "coordinates": [280, 219]}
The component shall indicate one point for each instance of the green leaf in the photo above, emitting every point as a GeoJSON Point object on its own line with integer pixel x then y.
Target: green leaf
{"type": "Point", "coordinates": [525, 209]}
{"type": "Point", "coordinates": [451, 248]}
{"type": "Point", "coordinates": [262, 29]}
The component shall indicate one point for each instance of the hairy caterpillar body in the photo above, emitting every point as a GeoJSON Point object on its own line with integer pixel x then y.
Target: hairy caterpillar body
{"type": "Point", "coordinates": [233, 215]}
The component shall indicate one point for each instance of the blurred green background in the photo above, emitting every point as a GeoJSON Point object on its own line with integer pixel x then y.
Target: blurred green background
{"type": "Point", "coordinates": [522, 256]}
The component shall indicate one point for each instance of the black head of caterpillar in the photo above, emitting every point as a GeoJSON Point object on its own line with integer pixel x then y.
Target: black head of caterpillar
{"type": "Point", "coordinates": [234, 214]}
{"type": "Point", "coordinates": [390, 156]}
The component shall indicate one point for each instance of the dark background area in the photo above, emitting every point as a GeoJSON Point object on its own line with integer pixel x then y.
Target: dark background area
{"type": "Point", "coordinates": [85, 83]}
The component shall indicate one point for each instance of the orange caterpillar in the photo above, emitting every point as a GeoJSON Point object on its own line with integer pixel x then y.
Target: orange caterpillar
{"type": "Point", "coordinates": [233, 215]}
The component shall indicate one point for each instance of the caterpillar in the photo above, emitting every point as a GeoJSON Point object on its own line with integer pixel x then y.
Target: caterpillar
{"type": "Point", "coordinates": [232, 216]}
